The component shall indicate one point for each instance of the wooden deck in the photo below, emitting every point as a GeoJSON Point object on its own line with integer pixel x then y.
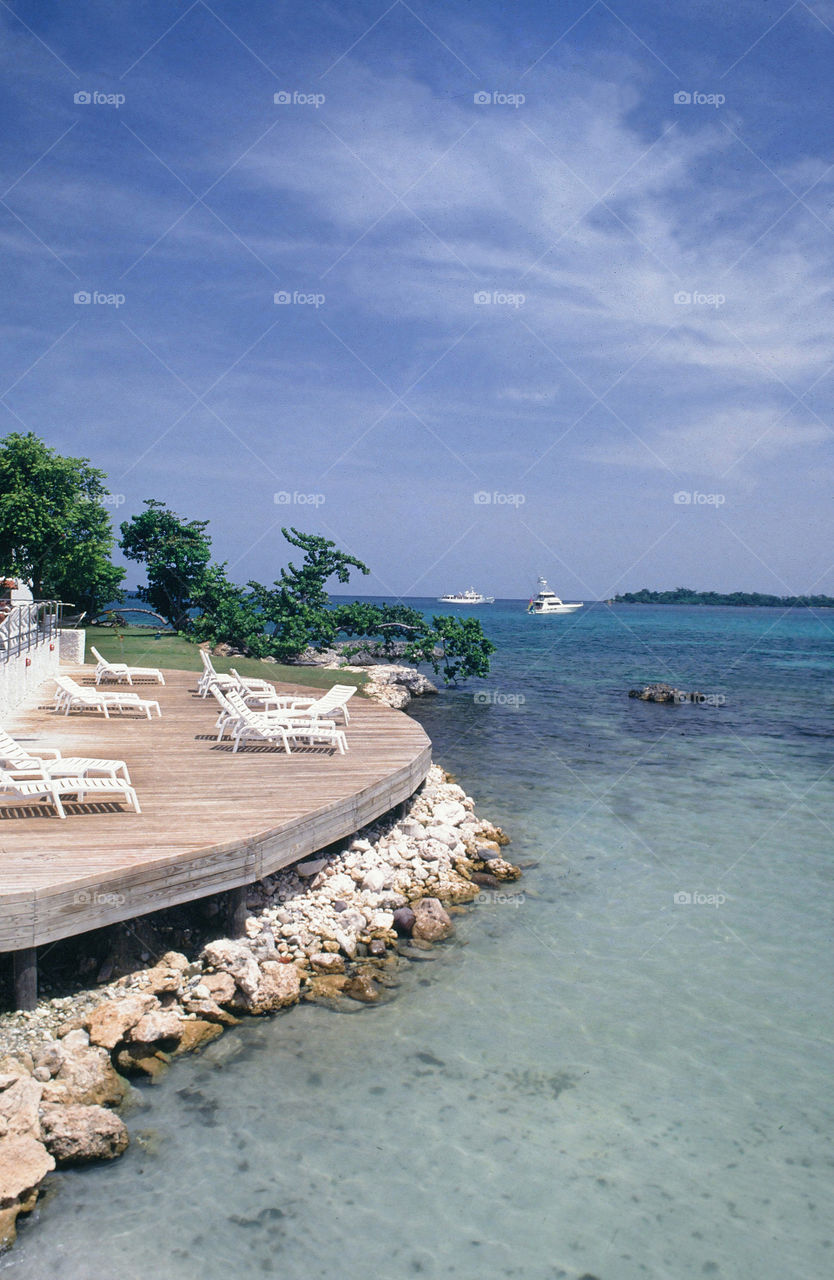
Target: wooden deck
{"type": "Point", "coordinates": [211, 820]}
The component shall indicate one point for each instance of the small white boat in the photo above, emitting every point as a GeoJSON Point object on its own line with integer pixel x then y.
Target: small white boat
{"type": "Point", "coordinates": [466, 597]}
{"type": "Point", "coordinates": [548, 602]}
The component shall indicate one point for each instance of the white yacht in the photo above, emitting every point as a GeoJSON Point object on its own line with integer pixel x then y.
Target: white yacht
{"type": "Point", "coordinates": [466, 597]}
{"type": "Point", "coordinates": [548, 602]}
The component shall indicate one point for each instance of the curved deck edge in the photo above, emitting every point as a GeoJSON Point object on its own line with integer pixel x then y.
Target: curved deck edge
{"type": "Point", "coordinates": [32, 917]}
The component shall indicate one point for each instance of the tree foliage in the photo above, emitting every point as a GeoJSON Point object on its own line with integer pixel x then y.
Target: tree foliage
{"type": "Point", "coordinates": [228, 613]}
{"type": "Point", "coordinates": [741, 599]}
{"type": "Point", "coordinates": [387, 625]}
{"type": "Point", "coordinates": [55, 531]}
{"type": "Point", "coordinates": [176, 554]}
{"type": "Point", "coordinates": [297, 604]}
{"type": "Point", "coordinates": [454, 647]}
{"type": "Point", "coordinates": [295, 613]}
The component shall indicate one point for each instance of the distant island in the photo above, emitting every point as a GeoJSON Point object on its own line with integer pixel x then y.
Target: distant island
{"type": "Point", "coordinates": [754, 599]}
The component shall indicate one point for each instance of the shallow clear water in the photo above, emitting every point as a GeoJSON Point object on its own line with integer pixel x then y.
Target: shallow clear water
{"type": "Point", "coordinates": [594, 1077]}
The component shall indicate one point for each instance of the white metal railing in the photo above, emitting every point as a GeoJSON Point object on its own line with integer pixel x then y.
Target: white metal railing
{"type": "Point", "coordinates": [28, 625]}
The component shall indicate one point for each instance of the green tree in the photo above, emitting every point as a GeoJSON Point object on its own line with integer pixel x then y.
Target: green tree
{"type": "Point", "coordinates": [388, 625]}
{"type": "Point", "coordinates": [228, 613]}
{"type": "Point", "coordinates": [455, 647]}
{"type": "Point", "coordinates": [55, 531]}
{"type": "Point", "coordinates": [297, 605]}
{"type": "Point", "coordinates": [176, 554]}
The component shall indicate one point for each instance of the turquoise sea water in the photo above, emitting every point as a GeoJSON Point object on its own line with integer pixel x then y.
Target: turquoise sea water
{"type": "Point", "coordinates": [623, 1071]}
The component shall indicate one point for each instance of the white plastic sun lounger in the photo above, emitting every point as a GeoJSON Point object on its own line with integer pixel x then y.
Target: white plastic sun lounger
{"type": "Point", "coordinates": [253, 685]}
{"type": "Point", "coordinates": [18, 761]}
{"type": "Point", "coordinates": [244, 723]}
{"type": "Point", "coordinates": [119, 671]}
{"type": "Point", "coordinates": [211, 679]}
{"type": "Point", "coordinates": [234, 705]}
{"type": "Point", "coordinates": [53, 790]}
{"type": "Point", "coordinates": [330, 703]}
{"type": "Point", "coordinates": [72, 696]}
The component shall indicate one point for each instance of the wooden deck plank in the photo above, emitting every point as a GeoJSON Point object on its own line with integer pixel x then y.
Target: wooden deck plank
{"type": "Point", "coordinates": [211, 820]}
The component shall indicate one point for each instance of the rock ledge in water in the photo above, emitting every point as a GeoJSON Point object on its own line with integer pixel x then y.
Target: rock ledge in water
{"type": "Point", "coordinates": [668, 693]}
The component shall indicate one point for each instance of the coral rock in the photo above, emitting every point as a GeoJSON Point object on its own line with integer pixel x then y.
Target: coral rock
{"type": "Point", "coordinates": [24, 1163]}
{"type": "Point", "coordinates": [236, 959]}
{"type": "Point", "coordinates": [159, 1024]}
{"type": "Point", "coordinates": [197, 1032]}
{"type": "Point", "coordinates": [86, 1076]}
{"type": "Point", "coordinates": [431, 922]}
{"type": "Point", "coordinates": [76, 1133]}
{"type": "Point", "coordinates": [110, 1022]}
{"type": "Point", "coordinates": [362, 987]}
{"type": "Point", "coordinates": [279, 987]}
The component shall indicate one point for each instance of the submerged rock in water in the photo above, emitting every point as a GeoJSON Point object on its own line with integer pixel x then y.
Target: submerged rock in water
{"type": "Point", "coordinates": [326, 986]}
{"type": "Point", "coordinates": [362, 987]}
{"type": "Point", "coordinates": [77, 1133]}
{"type": "Point", "coordinates": [431, 922]}
{"type": "Point", "coordinates": [197, 1032]}
{"type": "Point", "coordinates": [24, 1163]}
{"type": "Point", "coordinates": [661, 692]}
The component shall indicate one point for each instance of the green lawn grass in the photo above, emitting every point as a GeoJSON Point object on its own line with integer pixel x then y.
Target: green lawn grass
{"type": "Point", "coordinates": [138, 647]}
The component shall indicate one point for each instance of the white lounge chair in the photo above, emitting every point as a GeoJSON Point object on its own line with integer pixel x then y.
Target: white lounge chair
{"type": "Point", "coordinates": [211, 679]}
{"type": "Point", "coordinates": [53, 790]}
{"type": "Point", "coordinates": [330, 703]}
{"type": "Point", "coordinates": [275, 727]}
{"type": "Point", "coordinates": [119, 671]}
{"type": "Point", "coordinates": [253, 685]}
{"type": "Point", "coordinates": [233, 703]}
{"type": "Point", "coordinates": [72, 696]}
{"type": "Point", "coordinates": [18, 761]}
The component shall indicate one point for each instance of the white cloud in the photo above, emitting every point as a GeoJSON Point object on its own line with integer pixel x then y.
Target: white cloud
{"type": "Point", "coordinates": [714, 443]}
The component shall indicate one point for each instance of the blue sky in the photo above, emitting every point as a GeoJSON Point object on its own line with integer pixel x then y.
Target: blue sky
{"type": "Point", "coordinates": [533, 298]}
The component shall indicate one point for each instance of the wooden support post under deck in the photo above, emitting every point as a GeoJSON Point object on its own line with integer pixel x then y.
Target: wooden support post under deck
{"type": "Point", "coordinates": [26, 978]}
{"type": "Point", "coordinates": [236, 912]}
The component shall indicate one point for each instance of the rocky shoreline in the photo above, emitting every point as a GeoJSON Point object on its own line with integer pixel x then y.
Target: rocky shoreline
{"type": "Point", "coordinates": [333, 929]}
{"type": "Point", "coordinates": [391, 683]}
